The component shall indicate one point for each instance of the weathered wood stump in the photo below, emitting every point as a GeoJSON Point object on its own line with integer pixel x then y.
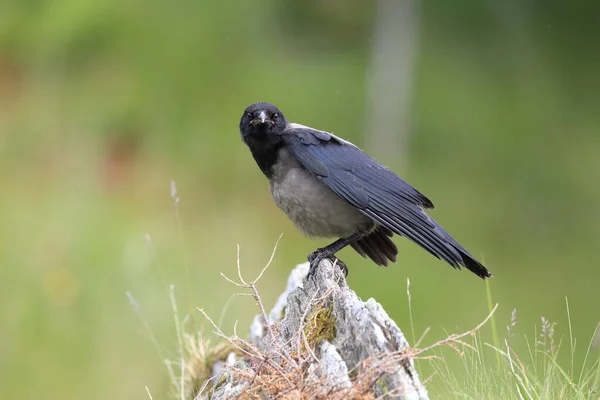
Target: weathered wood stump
{"type": "Point", "coordinates": [323, 342]}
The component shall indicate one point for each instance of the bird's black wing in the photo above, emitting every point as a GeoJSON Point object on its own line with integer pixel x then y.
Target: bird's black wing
{"type": "Point", "coordinates": [376, 191]}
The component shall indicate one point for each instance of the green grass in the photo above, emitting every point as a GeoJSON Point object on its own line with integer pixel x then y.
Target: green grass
{"type": "Point", "coordinates": [544, 369]}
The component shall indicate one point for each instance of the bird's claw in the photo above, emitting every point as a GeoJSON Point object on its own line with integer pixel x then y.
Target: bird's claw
{"type": "Point", "coordinates": [315, 258]}
{"type": "Point", "coordinates": [342, 266]}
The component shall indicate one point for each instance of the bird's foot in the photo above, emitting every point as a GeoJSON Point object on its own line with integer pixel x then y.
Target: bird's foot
{"type": "Point", "coordinates": [342, 265]}
{"type": "Point", "coordinates": [317, 256]}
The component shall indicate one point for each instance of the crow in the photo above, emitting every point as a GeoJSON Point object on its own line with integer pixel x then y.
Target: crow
{"type": "Point", "coordinates": [330, 188]}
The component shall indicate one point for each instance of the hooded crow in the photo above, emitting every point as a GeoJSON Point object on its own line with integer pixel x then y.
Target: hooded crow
{"type": "Point", "coordinates": [329, 187]}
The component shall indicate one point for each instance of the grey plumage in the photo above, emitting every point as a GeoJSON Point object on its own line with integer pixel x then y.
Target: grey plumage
{"type": "Point", "coordinates": [328, 187]}
{"type": "Point", "coordinates": [315, 210]}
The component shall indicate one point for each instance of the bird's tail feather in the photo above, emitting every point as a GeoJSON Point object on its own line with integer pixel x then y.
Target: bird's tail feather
{"type": "Point", "coordinates": [473, 265]}
{"type": "Point", "coordinates": [428, 234]}
{"type": "Point", "coordinates": [377, 246]}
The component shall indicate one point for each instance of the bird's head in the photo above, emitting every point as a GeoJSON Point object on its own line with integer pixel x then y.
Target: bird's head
{"type": "Point", "coordinates": [261, 119]}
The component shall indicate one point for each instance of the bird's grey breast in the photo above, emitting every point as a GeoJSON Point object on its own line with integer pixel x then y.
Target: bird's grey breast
{"type": "Point", "coordinates": [313, 208]}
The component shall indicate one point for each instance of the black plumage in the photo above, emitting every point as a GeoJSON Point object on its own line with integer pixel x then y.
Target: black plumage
{"type": "Point", "coordinates": [310, 170]}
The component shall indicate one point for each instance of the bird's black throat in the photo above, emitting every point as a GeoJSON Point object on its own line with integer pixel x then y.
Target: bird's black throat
{"type": "Point", "coordinates": [264, 148]}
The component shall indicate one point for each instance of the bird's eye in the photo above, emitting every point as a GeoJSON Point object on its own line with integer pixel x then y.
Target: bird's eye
{"type": "Point", "coordinates": [275, 116]}
{"type": "Point", "coordinates": [249, 115]}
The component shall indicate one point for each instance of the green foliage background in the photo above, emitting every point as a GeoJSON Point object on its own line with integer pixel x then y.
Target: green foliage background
{"type": "Point", "coordinates": [102, 103]}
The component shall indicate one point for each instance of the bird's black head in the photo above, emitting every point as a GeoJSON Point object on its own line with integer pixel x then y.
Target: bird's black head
{"type": "Point", "coordinates": [261, 119]}
{"type": "Point", "coordinates": [262, 126]}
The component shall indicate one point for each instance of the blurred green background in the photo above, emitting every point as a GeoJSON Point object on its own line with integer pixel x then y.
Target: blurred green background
{"type": "Point", "coordinates": [103, 103]}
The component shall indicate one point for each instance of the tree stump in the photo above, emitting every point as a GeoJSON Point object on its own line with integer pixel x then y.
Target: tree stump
{"type": "Point", "coordinates": [322, 342]}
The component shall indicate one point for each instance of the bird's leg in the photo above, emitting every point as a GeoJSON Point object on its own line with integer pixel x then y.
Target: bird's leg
{"type": "Point", "coordinates": [318, 255]}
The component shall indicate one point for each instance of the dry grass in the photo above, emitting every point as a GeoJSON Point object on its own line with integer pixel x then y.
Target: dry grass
{"type": "Point", "coordinates": [490, 371]}
{"type": "Point", "coordinates": [287, 371]}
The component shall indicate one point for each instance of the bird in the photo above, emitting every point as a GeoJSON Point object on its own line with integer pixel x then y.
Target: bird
{"type": "Point", "coordinates": [330, 188]}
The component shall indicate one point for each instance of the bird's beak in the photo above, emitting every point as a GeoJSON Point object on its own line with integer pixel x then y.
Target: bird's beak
{"type": "Point", "coordinates": [261, 119]}
{"type": "Point", "coordinates": [262, 116]}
